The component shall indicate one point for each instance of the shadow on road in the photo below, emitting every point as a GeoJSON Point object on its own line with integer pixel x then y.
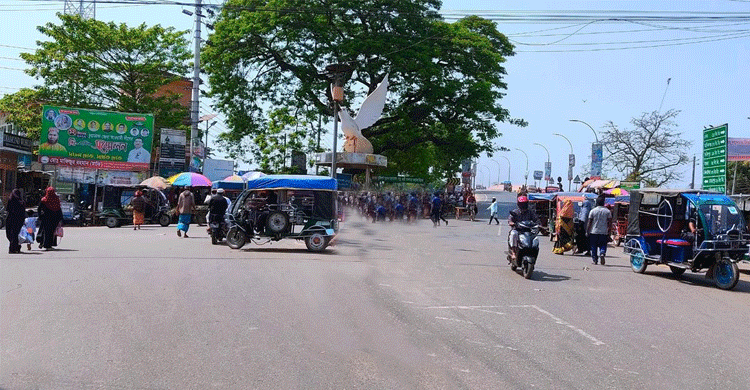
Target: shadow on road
{"type": "Point", "coordinates": [700, 280]}
{"type": "Point", "coordinates": [541, 276]}
{"type": "Point", "coordinates": [257, 249]}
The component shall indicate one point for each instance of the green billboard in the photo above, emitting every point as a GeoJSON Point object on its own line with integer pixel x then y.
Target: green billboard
{"type": "Point", "coordinates": [715, 158]}
{"type": "Point", "coordinates": [96, 139]}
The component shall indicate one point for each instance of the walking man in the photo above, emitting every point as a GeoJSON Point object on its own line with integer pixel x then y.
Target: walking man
{"type": "Point", "coordinates": [493, 211]}
{"type": "Point", "coordinates": [600, 219]}
{"type": "Point", "coordinates": [185, 207]}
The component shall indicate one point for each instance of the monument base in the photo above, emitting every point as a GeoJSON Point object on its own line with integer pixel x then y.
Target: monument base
{"type": "Point", "coordinates": [344, 160]}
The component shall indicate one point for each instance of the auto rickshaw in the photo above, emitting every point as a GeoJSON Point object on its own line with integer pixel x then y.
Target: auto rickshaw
{"type": "Point", "coordinates": [116, 209]}
{"type": "Point", "coordinates": [542, 203]}
{"type": "Point", "coordinates": [660, 232]}
{"type": "Point", "coordinates": [275, 207]}
{"type": "Point", "coordinates": [619, 208]}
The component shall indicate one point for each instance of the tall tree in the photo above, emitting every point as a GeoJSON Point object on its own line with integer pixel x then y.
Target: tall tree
{"type": "Point", "coordinates": [446, 79]}
{"type": "Point", "coordinates": [24, 109]}
{"type": "Point", "coordinates": [92, 64]}
{"type": "Point", "coordinates": [650, 151]}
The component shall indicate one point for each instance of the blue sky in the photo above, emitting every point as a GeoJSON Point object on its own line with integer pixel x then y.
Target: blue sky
{"type": "Point", "coordinates": [560, 72]}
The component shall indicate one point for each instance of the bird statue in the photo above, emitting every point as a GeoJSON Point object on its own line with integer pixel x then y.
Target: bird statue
{"type": "Point", "coordinates": [369, 113]}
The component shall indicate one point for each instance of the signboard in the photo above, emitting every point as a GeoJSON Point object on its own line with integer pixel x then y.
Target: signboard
{"type": "Point", "coordinates": [577, 180]}
{"type": "Point", "coordinates": [597, 157]}
{"type": "Point", "coordinates": [630, 185]}
{"type": "Point", "coordinates": [96, 139]}
{"type": "Point", "coordinates": [344, 181]}
{"type": "Point", "coordinates": [738, 149]}
{"type": "Point", "coordinates": [120, 178]}
{"type": "Point", "coordinates": [538, 175]}
{"type": "Point", "coordinates": [571, 160]}
{"type": "Point", "coordinates": [16, 143]}
{"type": "Point", "coordinates": [172, 152]}
{"type": "Point", "coordinates": [399, 179]}
{"type": "Point", "coordinates": [216, 170]}
{"type": "Point", "coordinates": [299, 160]}
{"type": "Point", "coordinates": [715, 158]}
{"type": "Point", "coordinates": [570, 173]}
{"type": "Point", "coordinates": [548, 171]}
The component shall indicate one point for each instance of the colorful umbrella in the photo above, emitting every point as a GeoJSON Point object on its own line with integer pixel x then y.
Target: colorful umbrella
{"type": "Point", "coordinates": [233, 179]}
{"type": "Point", "coordinates": [617, 192]}
{"type": "Point", "coordinates": [253, 175]}
{"type": "Point", "coordinates": [157, 182]}
{"type": "Point", "coordinates": [189, 179]}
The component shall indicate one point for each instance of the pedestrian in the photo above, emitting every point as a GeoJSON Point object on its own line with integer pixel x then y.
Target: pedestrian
{"type": "Point", "coordinates": [185, 209]}
{"type": "Point", "coordinates": [50, 218]}
{"type": "Point", "coordinates": [435, 207]}
{"type": "Point", "coordinates": [600, 219]}
{"type": "Point", "coordinates": [139, 209]}
{"type": "Point", "coordinates": [564, 228]}
{"type": "Point", "coordinates": [14, 220]}
{"type": "Point", "coordinates": [493, 211]}
{"type": "Point", "coordinates": [28, 231]}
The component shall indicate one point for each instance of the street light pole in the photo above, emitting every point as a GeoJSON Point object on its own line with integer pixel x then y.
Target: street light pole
{"type": "Point", "coordinates": [498, 170]}
{"type": "Point", "coordinates": [546, 179]}
{"type": "Point", "coordinates": [506, 159]}
{"type": "Point", "coordinates": [489, 173]}
{"type": "Point", "coordinates": [526, 174]}
{"type": "Point", "coordinates": [570, 167]}
{"type": "Point", "coordinates": [595, 171]}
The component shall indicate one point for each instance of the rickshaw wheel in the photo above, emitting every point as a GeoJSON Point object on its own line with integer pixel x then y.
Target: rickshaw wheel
{"type": "Point", "coordinates": [316, 242]}
{"type": "Point", "coordinates": [726, 274]}
{"type": "Point", "coordinates": [164, 220]}
{"type": "Point", "coordinates": [112, 222]}
{"type": "Point", "coordinates": [637, 257]}
{"type": "Point", "coordinates": [235, 238]}
{"type": "Point", "coordinates": [677, 271]}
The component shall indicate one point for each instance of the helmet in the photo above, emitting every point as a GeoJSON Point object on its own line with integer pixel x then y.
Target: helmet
{"type": "Point", "coordinates": [523, 202]}
{"type": "Point", "coordinates": [220, 191]}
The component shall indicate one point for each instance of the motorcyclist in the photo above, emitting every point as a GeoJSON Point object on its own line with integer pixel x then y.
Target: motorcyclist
{"type": "Point", "coordinates": [217, 207]}
{"type": "Point", "coordinates": [520, 214]}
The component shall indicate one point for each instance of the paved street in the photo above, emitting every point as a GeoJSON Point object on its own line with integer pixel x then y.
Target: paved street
{"type": "Point", "coordinates": [390, 306]}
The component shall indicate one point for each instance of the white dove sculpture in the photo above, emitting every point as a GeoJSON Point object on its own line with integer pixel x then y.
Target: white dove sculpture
{"type": "Point", "coordinates": [369, 113]}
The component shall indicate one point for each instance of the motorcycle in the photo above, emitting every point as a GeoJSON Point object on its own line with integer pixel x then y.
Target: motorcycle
{"type": "Point", "coordinates": [218, 228]}
{"type": "Point", "coordinates": [528, 248]}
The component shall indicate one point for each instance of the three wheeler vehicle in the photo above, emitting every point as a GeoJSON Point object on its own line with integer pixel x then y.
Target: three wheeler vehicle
{"type": "Point", "coordinates": [619, 209]}
{"type": "Point", "coordinates": [116, 209]}
{"type": "Point", "coordinates": [542, 202]}
{"type": "Point", "coordinates": [275, 207]}
{"type": "Point", "coordinates": [686, 229]}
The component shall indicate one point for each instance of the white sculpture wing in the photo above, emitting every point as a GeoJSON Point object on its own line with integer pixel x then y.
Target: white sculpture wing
{"type": "Point", "coordinates": [372, 107]}
{"type": "Point", "coordinates": [348, 125]}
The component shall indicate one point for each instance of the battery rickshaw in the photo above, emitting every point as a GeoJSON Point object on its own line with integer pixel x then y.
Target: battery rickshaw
{"type": "Point", "coordinates": [275, 207]}
{"type": "Point", "coordinates": [116, 209]}
{"type": "Point", "coordinates": [541, 203]}
{"type": "Point", "coordinates": [686, 230]}
{"type": "Point", "coordinates": [619, 207]}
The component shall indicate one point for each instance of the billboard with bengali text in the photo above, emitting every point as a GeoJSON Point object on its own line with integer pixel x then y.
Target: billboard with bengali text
{"type": "Point", "coordinates": [96, 139]}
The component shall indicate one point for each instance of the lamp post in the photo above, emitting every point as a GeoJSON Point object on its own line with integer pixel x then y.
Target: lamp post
{"type": "Point", "coordinates": [547, 177]}
{"type": "Point", "coordinates": [571, 161]}
{"type": "Point", "coordinates": [525, 174]}
{"type": "Point", "coordinates": [336, 73]}
{"type": "Point", "coordinates": [498, 170]}
{"type": "Point", "coordinates": [489, 173]}
{"type": "Point", "coordinates": [597, 155]}
{"type": "Point", "coordinates": [506, 159]}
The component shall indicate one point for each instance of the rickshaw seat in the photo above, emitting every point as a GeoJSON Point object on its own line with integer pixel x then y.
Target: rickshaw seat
{"type": "Point", "coordinates": [652, 233]}
{"type": "Point", "coordinates": [674, 241]}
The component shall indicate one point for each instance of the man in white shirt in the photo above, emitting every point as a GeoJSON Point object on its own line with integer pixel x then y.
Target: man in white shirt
{"type": "Point", "coordinates": [139, 154]}
{"type": "Point", "coordinates": [600, 220]}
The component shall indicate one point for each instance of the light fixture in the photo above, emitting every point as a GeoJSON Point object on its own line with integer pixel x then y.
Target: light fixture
{"type": "Point", "coordinates": [186, 12]}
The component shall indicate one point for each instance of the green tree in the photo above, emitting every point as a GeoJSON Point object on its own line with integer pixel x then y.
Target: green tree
{"type": "Point", "coordinates": [24, 109]}
{"type": "Point", "coordinates": [446, 79]}
{"type": "Point", "coordinates": [650, 151]}
{"type": "Point", "coordinates": [88, 63]}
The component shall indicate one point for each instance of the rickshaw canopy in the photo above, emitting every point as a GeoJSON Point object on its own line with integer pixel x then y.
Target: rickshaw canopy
{"type": "Point", "coordinates": [637, 200]}
{"type": "Point", "coordinates": [279, 182]}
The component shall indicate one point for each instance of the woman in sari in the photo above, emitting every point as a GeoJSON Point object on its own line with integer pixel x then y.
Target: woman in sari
{"type": "Point", "coordinates": [50, 217]}
{"type": "Point", "coordinates": [139, 209]}
{"type": "Point", "coordinates": [564, 229]}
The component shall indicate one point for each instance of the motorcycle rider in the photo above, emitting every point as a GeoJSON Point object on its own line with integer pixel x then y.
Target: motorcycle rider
{"type": "Point", "coordinates": [520, 214]}
{"type": "Point", "coordinates": [217, 207]}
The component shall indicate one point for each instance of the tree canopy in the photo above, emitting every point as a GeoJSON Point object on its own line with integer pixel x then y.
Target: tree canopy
{"type": "Point", "coordinates": [648, 152]}
{"type": "Point", "coordinates": [24, 109]}
{"type": "Point", "coordinates": [88, 63]}
{"type": "Point", "coordinates": [446, 79]}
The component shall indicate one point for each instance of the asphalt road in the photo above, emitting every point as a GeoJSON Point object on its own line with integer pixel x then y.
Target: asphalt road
{"type": "Point", "coordinates": [391, 306]}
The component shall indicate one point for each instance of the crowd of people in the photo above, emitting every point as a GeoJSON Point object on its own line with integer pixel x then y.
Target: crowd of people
{"type": "Point", "coordinates": [389, 206]}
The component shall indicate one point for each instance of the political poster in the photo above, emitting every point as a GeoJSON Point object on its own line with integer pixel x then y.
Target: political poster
{"type": "Point", "coordinates": [97, 139]}
{"type": "Point", "coordinates": [597, 157]}
{"type": "Point", "coordinates": [738, 149]}
{"type": "Point", "coordinates": [172, 152]}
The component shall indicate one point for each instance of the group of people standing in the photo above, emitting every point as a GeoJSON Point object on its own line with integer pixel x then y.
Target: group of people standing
{"type": "Point", "coordinates": [588, 231]}
{"type": "Point", "coordinates": [21, 225]}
